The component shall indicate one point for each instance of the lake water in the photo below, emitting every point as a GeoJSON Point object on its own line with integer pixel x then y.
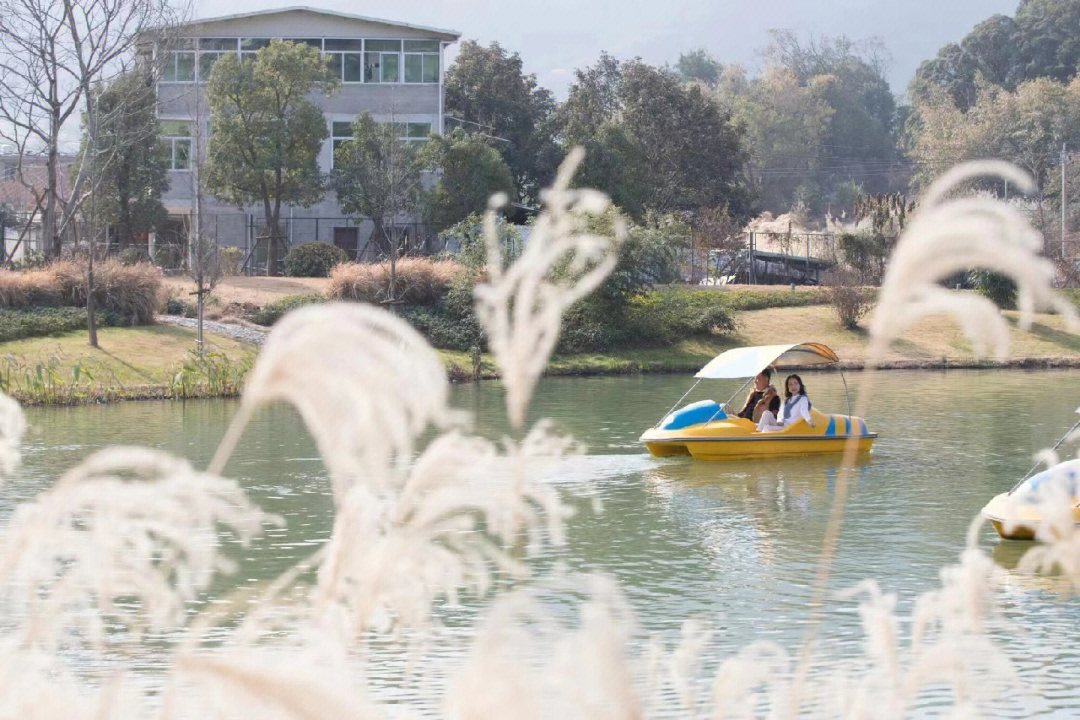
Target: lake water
{"type": "Point", "coordinates": [736, 543]}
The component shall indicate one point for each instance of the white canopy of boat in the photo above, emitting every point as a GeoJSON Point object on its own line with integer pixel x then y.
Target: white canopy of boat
{"type": "Point", "coordinates": [747, 362]}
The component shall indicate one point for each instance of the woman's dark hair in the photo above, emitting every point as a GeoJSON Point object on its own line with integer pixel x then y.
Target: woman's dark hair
{"type": "Point", "coordinates": [802, 386]}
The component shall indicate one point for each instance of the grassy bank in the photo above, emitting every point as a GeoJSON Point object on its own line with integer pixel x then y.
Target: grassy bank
{"type": "Point", "coordinates": [131, 362]}
{"type": "Point", "coordinates": [935, 343]}
{"type": "Point", "coordinates": [156, 361]}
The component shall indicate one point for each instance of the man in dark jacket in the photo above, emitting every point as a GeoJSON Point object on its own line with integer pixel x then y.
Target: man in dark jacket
{"type": "Point", "coordinates": [762, 397]}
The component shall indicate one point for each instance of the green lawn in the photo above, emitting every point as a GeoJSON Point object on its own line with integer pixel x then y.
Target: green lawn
{"type": "Point", "coordinates": [129, 362]}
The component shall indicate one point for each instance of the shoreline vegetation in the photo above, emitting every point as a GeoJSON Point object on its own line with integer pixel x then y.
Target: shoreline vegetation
{"type": "Point", "coordinates": [158, 362]}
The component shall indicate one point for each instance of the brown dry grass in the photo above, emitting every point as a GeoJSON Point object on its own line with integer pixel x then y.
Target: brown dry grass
{"type": "Point", "coordinates": [248, 292]}
{"type": "Point", "coordinates": [134, 292]}
{"type": "Point", "coordinates": [419, 280]}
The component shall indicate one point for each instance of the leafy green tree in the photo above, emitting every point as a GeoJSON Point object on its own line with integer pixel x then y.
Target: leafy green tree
{"type": "Point", "coordinates": [1039, 42]}
{"type": "Point", "coordinates": [1024, 126]}
{"type": "Point", "coordinates": [267, 133]}
{"type": "Point", "coordinates": [682, 151]}
{"type": "Point", "coordinates": [617, 164]}
{"type": "Point", "coordinates": [377, 176]}
{"type": "Point", "coordinates": [787, 128]}
{"type": "Point", "coordinates": [128, 193]}
{"type": "Point", "coordinates": [698, 65]}
{"type": "Point", "coordinates": [488, 86]}
{"type": "Point", "coordinates": [469, 172]}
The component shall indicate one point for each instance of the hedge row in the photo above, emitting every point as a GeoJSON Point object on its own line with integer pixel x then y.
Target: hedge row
{"type": "Point", "coordinates": [39, 322]}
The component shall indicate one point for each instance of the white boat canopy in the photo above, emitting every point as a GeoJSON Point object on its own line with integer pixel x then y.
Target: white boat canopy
{"type": "Point", "coordinates": [749, 361]}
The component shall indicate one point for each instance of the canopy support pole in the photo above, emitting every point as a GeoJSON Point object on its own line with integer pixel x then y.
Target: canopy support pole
{"type": "Point", "coordinates": [1036, 466]}
{"type": "Point", "coordinates": [729, 400]}
{"type": "Point", "coordinates": [847, 394]}
{"type": "Point", "coordinates": [678, 401]}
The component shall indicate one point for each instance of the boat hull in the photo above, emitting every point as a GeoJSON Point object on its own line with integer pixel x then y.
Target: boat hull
{"type": "Point", "coordinates": [1014, 519]}
{"type": "Point", "coordinates": [736, 439]}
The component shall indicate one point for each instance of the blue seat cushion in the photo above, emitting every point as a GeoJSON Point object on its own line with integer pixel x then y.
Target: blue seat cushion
{"type": "Point", "coordinates": [693, 414]}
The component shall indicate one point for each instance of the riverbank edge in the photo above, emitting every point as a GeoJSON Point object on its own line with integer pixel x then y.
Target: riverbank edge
{"type": "Point", "coordinates": [461, 375]}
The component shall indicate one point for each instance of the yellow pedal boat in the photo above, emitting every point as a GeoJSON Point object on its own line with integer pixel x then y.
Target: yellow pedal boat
{"type": "Point", "coordinates": [704, 431]}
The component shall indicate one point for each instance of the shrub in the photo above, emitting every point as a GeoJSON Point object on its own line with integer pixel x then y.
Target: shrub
{"type": "Point", "coordinates": [42, 321]}
{"type": "Point", "coordinates": [131, 292]}
{"type": "Point", "coordinates": [865, 253]}
{"type": "Point", "coordinates": [849, 299]}
{"type": "Point", "coordinates": [270, 313]}
{"type": "Point", "coordinates": [464, 242]}
{"type": "Point", "coordinates": [312, 259]}
{"type": "Point", "coordinates": [132, 256]}
{"type": "Point", "coordinates": [231, 261]}
{"type": "Point", "coordinates": [449, 322]}
{"type": "Point", "coordinates": [169, 256]}
{"type": "Point", "coordinates": [419, 280]}
{"type": "Point", "coordinates": [999, 289]}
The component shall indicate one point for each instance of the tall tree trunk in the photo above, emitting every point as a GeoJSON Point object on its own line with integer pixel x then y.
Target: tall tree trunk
{"type": "Point", "coordinates": [273, 233]}
{"type": "Point", "coordinates": [125, 237]}
{"type": "Point", "coordinates": [50, 247]}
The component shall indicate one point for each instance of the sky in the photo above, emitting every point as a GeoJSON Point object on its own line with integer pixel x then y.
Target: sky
{"type": "Point", "coordinates": [556, 36]}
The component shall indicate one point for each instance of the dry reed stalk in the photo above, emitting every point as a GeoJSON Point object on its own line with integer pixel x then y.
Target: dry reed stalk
{"type": "Point", "coordinates": [528, 664]}
{"type": "Point", "coordinates": [364, 381]}
{"type": "Point", "coordinates": [133, 292]}
{"type": "Point", "coordinates": [464, 508]}
{"type": "Point", "coordinates": [521, 305]}
{"type": "Point", "coordinates": [12, 428]}
{"type": "Point", "coordinates": [419, 280]}
{"type": "Point", "coordinates": [123, 540]}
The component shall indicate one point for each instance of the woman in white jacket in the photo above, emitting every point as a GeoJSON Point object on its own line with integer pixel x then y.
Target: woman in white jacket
{"type": "Point", "coordinates": [796, 406]}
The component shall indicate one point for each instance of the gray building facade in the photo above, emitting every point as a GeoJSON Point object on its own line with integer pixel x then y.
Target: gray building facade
{"type": "Point", "coordinates": [390, 70]}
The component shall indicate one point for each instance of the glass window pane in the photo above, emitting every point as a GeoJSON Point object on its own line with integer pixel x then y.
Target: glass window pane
{"type": "Point", "coordinates": [333, 61]}
{"type": "Point", "coordinates": [354, 71]}
{"type": "Point", "coordinates": [175, 128]}
{"type": "Point", "coordinates": [217, 44]}
{"type": "Point", "coordinates": [185, 67]}
{"type": "Point", "coordinates": [390, 68]}
{"type": "Point", "coordinates": [383, 45]}
{"type": "Point", "coordinates": [181, 154]}
{"type": "Point", "coordinates": [418, 130]}
{"type": "Point", "coordinates": [371, 67]}
{"type": "Point", "coordinates": [206, 64]}
{"type": "Point", "coordinates": [313, 42]}
{"type": "Point", "coordinates": [254, 43]}
{"type": "Point", "coordinates": [421, 46]}
{"type": "Point", "coordinates": [431, 69]}
{"type": "Point", "coordinates": [337, 44]}
{"type": "Point", "coordinates": [414, 68]}
{"type": "Point", "coordinates": [341, 129]}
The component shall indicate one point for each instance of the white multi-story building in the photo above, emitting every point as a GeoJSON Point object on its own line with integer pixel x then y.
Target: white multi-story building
{"type": "Point", "coordinates": [390, 70]}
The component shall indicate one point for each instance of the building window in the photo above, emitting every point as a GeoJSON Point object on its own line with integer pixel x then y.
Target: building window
{"type": "Point", "coordinates": [250, 46]}
{"type": "Point", "coordinates": [346, 59]}
{"type": "Point", "coordinates": [382, 61]}
{"type": "Point", "coordinates": [415, 131]}
{"type": "Point", "coordinates": [340, 131]}
{"type": "Point", "coordinates": [421, 61]}
{"type": "Point", "coordinates": [176, 134]}
{"type": "Point", "coordinates": [210, 49]}
{"type": "Point", "coordinates": [180, 64]}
